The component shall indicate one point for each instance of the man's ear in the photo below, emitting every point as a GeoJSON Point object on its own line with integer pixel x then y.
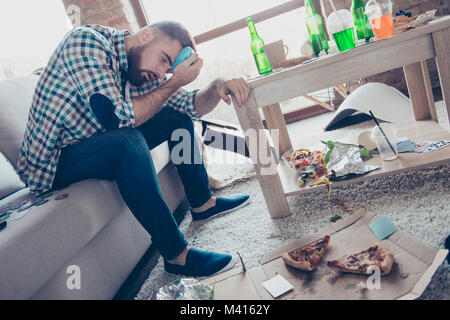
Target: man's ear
{"type": "Point", "coordinates": [146, 35]}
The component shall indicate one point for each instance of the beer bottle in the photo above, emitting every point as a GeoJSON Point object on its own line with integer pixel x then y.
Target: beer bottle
{"type": "Point", "coordinates": [316, 33]}
{"type": "Point", "coordinates": [363, 29]}
{"type": "Point", "coordinates": [256, 44]}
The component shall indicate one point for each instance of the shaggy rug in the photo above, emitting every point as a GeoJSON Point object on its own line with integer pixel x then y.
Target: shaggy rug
{"type": "Point", "coordinates": [417, 202]}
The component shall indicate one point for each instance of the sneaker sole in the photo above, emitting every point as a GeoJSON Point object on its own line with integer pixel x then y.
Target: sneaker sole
{"type": "Point", "coordinates": [229, 266]}
{"type": "Point", "coordinates": [243, 204]}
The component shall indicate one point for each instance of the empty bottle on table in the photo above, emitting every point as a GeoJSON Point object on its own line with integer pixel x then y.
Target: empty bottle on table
{"type": "Point", "coordinates": [362, 25]}
{"type": "Point", "coordinates": [314, 25]}
{"type": "Point", "coordinates": [257, 44]}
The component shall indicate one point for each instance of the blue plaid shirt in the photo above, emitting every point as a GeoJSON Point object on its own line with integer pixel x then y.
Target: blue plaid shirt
{"type": "Point", "coordinates": [90, 60]}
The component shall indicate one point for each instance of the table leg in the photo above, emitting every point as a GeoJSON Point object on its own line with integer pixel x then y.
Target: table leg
{"type": "Point", "coordinates": [441, 41]}
{"type": "Point", "coordinates": [420, 93]}
{"type": "Point", "coordinates": [258, 146]}
{"type": "Point", "coordinates": [275, 120]}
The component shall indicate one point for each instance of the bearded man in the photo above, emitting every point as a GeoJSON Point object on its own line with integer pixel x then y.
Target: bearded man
{"type": "Point", "coordinates": [105, 98]}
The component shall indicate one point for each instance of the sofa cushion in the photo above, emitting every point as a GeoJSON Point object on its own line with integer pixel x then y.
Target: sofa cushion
{"type": "Point", "coordinates": [15, 100]}
{"type": "Point", "coordinates": [9, 180]}
{"type": "Point", "coordinates": [35, 247]}
{"type": "Point", "coordinates": [160, 156]}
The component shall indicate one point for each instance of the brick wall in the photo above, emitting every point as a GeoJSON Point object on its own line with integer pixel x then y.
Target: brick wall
{"type": "Point", "coordinates": [395, 77]}
{"type": "Point", "coordinates": [112, 13]}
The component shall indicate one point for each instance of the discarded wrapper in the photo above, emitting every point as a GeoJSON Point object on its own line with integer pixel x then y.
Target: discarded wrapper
{"type": "Point", "coordinates": [346, 159]}
{"type": "Point", "coordinates": [185, 289]}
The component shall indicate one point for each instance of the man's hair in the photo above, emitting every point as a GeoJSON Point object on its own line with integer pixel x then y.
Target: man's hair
{"type": "Point", "coordinates": [176, 31]}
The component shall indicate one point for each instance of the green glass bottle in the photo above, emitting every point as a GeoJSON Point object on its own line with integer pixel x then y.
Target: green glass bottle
{"type": "Point", "coordinates": [363, 29]}
{"type": "Point", "coordinates": [256, 44]}
{"type": "Point", "coordinates": [316, 33]}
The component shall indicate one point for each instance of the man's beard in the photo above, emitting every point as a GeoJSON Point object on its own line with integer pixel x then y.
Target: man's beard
{"type": "Point", "coordinates": [134, 61]}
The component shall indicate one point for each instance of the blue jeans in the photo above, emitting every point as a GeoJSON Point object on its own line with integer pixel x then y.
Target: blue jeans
{"type": "Point", "coordinates": [123, 155]}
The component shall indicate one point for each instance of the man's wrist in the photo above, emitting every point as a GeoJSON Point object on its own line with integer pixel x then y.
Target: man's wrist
{"type": "Point", "coordinates": [173, 83]}
{"type": "Point", "coordinates": [217, 82]}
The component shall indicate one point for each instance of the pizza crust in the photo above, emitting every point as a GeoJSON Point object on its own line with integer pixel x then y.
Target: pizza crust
{"type": "Point", "coordinates": [388, 258]}
{"type": "Point", "coordinates": [385, 260]}
{"type": "Point", "coordinates": [302, 265]}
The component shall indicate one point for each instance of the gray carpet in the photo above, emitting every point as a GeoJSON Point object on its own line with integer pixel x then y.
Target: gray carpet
{"type": "Point", "coordinates": [417, 202]}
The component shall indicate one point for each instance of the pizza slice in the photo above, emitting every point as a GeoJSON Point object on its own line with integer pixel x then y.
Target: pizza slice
{"type": "Point", "coordinates": [377, 255]}
{"type": "Point", "coordinates": [308, 257]}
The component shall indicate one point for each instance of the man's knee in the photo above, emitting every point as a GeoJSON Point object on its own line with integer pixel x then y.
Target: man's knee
{"type": "Point", "coordinates": [180, 120]}
{"type": "Point", "coordinates": [131, 140]}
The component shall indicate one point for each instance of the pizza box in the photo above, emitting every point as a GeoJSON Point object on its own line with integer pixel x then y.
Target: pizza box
{"type": "Point", "coordinates": [414, 265]}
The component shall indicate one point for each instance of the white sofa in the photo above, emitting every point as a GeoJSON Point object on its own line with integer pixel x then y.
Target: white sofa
{"type": "Point", "coordinates": [92, 229]}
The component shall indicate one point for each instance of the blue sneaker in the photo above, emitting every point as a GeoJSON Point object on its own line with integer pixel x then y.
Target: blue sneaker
{"type": "Point", "coordinates": [222, 206]}
{"type": "Point", "coordinates": [201, 264]}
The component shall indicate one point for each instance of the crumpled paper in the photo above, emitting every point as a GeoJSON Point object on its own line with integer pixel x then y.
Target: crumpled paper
{"type": "Point", "coordinates": [185, 289]}
{"type": "Point", "coordinates": [346, 159]}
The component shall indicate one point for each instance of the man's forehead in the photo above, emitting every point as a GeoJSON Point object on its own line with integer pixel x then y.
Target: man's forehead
{"type": "Point", "coordinates": [172, 48]}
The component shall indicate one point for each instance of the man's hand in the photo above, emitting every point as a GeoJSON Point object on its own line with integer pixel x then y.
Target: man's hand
{"type": "Point", "coordinates": [207, 99]}
{"type": "Point", "coordinates": [187, 71]}
{"type": "Point", "coordinates": [237, 87]}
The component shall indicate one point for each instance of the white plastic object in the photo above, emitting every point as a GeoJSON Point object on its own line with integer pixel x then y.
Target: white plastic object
{"type": "Point", "coordinates": [378, 8]}
{"type": "Point", "coordinates": [339, 21]}
{"type": "Point", "coordinates": [386, 103]}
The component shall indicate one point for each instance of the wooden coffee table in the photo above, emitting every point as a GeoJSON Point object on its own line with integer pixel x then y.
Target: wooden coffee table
{"type": "Point", "coordinates": [409, 50]}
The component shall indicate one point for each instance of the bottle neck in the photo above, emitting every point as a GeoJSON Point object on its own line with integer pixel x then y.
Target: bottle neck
{"type": "Point", "coordinates": [358, 4]}
{"type": "Point", "coordinates": [309, 7]}
{"type": "Point", "coordinates": [251, 27]}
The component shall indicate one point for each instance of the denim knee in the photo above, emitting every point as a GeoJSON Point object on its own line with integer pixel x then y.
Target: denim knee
{"type": "Point", "coordinates": [131, 140]}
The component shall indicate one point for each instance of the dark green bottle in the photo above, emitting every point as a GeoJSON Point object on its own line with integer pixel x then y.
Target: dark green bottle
{"type": "Point", "coordinates": [256, 44]}
{"type": "Point", "coordinates": [363, 29]}
{"type": "Point", "coordinates": [316, 33]}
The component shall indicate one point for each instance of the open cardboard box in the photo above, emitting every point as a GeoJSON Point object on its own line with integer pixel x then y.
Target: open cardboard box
{"type": "Point", "coordinates": [414, 265]}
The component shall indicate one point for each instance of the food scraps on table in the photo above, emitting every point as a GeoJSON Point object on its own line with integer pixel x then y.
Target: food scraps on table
{"type": "Point", "coordinates": [309, 164]}
{"type": "Point", "coordinates": [404, 20]}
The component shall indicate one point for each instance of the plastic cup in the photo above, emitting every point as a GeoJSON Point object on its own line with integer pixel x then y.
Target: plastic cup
{"type": "Point", "coordinates": [383, 146]}
{"type": "Point", "coordinates": [341, 27]}
{"type": "Point", "coordinates": [379, 13]}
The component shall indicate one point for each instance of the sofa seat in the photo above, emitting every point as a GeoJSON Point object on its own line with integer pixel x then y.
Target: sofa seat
{"type": "Point", "coordinates": [37, 249]}
{"type": "Point", "coordinates": [92, 229]}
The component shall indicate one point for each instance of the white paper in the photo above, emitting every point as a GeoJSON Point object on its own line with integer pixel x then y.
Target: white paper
{"type": "Point", "coordinates": [277, 286]}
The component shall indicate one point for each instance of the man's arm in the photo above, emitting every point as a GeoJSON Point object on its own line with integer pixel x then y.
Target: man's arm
{"type": "Point", "coordinates": [207, 99]}
{"type": "Point", "coordinates": [146, 106]}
